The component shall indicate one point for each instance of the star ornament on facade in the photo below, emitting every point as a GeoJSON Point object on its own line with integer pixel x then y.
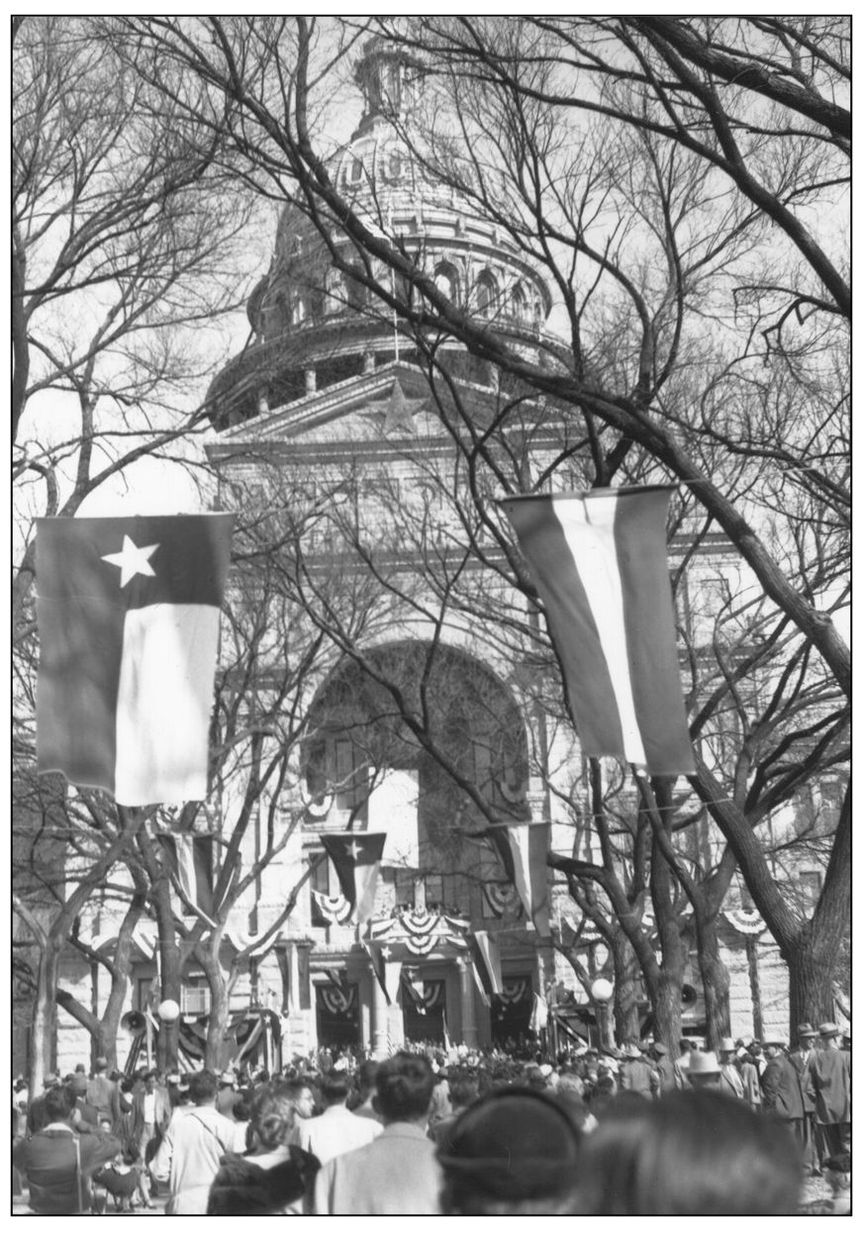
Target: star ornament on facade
{"type": "Point", "coordinates": [397, 410]}
{"type": "Point", "coordinates": [132, 560]}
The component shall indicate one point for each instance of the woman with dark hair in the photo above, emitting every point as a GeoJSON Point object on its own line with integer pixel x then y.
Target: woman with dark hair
{"type": "Point", "coordinates": [273, 1177]}
{"type": "Point", "coordinates": [690, 1154]}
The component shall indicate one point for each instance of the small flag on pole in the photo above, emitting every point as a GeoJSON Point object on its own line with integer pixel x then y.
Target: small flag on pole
{"type": "Point", "coordinates": [522, 848]}
{"type": "Point", "coordinates": [599, 562]}
{"type": "Point", "coordinates": [128, 617]}
{"type": "Point", "coordinates": [356, 856]}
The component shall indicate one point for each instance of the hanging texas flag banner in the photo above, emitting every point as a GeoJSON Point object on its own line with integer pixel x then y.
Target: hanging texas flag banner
{"type": "Point", "coordinates": [387, 971]}
{"type": "Point", "coordinates": [486, 959]}
{"type": "Point", "coordinates": [356, 856]}
{"type": "Point", "coordinates": [128, 616]}
{"type": "Point", "coordinates": [599, 562]}
{"type": "Point", "coordinates": [522, 848]}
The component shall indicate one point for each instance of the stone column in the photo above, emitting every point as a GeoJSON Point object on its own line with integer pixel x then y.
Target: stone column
{"type": "Point", "coordinates": [466, 994]}
{"type": "Point", "coordinates": [379, 1020]}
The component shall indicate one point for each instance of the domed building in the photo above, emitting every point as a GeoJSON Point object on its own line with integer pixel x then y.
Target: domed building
{"type": "Point", "coordinates": [315, 324]}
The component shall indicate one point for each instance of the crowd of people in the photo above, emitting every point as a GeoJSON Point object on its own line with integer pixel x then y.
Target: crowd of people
{"type": "Point", "coordinates": [623, 1131]}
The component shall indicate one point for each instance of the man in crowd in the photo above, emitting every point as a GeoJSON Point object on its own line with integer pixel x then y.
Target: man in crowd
{"type": "Point", "coordinates": [681, 1065]}
{"type": "Point", "coordinates": [364, 1081]}
{"type": "Point", "coordinates": [464, 1091]}
{"type": "Point", "coordinates": [829, 1084]}
{"type": "Point", "coordinates": [151, 1113]}
{"type": "Point", "coordinates": [781, 1089]}
{"type": "Point", "coordinates": [703, 1070]}
{"type": "Point", "coordinates": [192, 1146]}
{"type": "Point", "coordinates": [636, 1073]}
{"type": "Point", "coordinates": [103, 1094]}
{"type": "Point", "coordinates": [58, 1161]}
{"type": "Point", "coordinates": [397, 1173]}
{"type": "Point", "coordinates": [336, 1130]}
{"type": "Point", "coordinates": [663, 1080]}
{"type": "Point", "coordinates": [37, 1115]}
{"type": "Point", "coordinates": [515, 1153]}
{"type": "Point", "coordinates": [800, 1059]}
{"type": "Point", "coordinates": [730, 1076]}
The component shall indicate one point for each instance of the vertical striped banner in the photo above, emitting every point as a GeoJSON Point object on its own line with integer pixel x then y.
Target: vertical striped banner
{"type": "Point", "coordinates": [599, 562]}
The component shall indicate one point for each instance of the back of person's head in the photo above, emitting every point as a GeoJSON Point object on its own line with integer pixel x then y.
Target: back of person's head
{"type": "Point", "coordinates": [203, 1086]}
{"type": "Point", "coordinates": [690, 1154]}
{"type": "Point", "coordinates": [464, 1087]}
{"type": "Point", "coordinates": [404, 1086]}
{"type": "Point", "coordinates": [59, 1103]}
{"type": "Point", "coordinates": [272, 1114]}
{"type": "Point", "coordinates": [334, 1087]}
{"type": "Point", "coordinates": [514, 1152]}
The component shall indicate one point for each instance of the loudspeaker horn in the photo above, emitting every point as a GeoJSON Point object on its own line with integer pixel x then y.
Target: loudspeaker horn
{"type": "Point", "coordinates": [134, 1022]}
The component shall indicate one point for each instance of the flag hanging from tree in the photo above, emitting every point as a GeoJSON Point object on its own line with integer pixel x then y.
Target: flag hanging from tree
{"type": "Point", "coordinates": [356, 856]}
{"type": "Point", "coordinates": [190, 861]}
{"type": "Point", "coordinates": [128, 616]}
{"type": "Point", "coordinates": [599, 562]}
{"type": "Point", "coordinates": [522, 848]}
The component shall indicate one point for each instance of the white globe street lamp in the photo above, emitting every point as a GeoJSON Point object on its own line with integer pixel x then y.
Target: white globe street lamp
{"type": "Point", "coordinates": [601, 992]}
{"type": "Point", "coordinates": [168, 1011]}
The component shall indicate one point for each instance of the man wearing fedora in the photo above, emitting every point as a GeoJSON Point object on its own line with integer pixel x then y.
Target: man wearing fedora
{"type": "Point", "coordinates": [800, 1058]}
{"type": "Point", "coordinates": [703, 1070]}
{"type": "Point", "coordinates": [730, 1076]}
{"type": "Point", "coordinates": [635, 1073]}
{"type": "Point", "coordinates": [781, 1089]}
{"type": "Point", "coordinates": [829, 1083]}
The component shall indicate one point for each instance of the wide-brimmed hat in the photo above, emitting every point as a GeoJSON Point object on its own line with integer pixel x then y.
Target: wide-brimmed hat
{"type": "Point", "coordinates": [659, 1048]}
{"type": "Point", "coordinates": [100, 1064]}
{"type": "Point", "coordinates": [703, 1063]}
{"type": "Point", "coordinates": [515, 1143]}
{"type": "Point", "coordinates": [727, 1045]}
{"type": "Point", "coordinates": [829, 1029]}
{"type": "Point", "coordinates": [775, 1041]}
{"type": "Point", "coordinates": [631, 1050]}
{"type": "Point", "coordinates": [807, 1030]}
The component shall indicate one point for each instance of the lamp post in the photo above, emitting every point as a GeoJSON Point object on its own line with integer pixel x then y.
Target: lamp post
{"type": "Point", "coordinates": [601, 994]}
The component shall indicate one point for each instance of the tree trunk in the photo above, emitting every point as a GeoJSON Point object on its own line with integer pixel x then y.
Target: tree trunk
{"type": "Point", "coordinates": [217, 1022]}
{"type": "Point", "coordinates": [715, 982]}
{"type": "Point", "coordinates": [43, 1039]}
{"type": "Point", "coordinates": [811, 981]}
{"type": "Point", "coordinates": [627, 988]}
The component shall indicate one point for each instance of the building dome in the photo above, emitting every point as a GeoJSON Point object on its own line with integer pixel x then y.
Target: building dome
{"type": "Point", "coordinates": [314, 324]}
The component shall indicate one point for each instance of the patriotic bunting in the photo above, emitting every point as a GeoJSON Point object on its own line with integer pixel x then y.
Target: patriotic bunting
{"type": "Point", "coordinates": [128, 617]}
{"type": "Point", "coordinates": [356, 857]}
{"type": "Point", "coordinates": [599, 563]}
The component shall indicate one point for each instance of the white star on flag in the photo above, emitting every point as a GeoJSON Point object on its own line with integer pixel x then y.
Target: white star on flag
{"type": "Point", "coordinates": [132, 560]}
{"type": "Point", "coordinates": [386, 952]}
{"type": "Point", "coordinates": [354, 849]}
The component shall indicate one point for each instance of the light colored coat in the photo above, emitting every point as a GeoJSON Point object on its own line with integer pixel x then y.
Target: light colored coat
{"type": "Point", "coordinates": [334, 1132]}
{"type": "Point", "coordinates": [396, 1174]}
{"type": "Point", "coordinates": [189, 1155]}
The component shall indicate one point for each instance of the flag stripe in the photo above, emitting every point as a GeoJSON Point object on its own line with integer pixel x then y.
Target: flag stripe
{"type": "Point", "coordinates": [589, 530]}
{"type": "Point", "coordinates": [640, 537]}
{"type": "Point", "coordinates": [164, 701]}
{"type": "Point", "coordinates": [571, 623]}
{"type": "Point", "coordinates": [81, 647]}
{"type": "Point", "coordinates": [599, 561]}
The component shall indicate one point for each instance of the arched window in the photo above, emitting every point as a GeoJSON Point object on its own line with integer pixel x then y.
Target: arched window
{"type": "Point", "coordinates": [447, 281]}
{"type": "Point", "coordinates": [299, 310]}
{"type": "Point", "coordinates": [487, 294]}
{"type": "Point", "coordinates": [518, 301]}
